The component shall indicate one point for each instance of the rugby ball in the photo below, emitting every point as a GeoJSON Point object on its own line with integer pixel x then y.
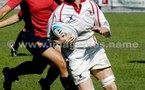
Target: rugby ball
{"type": "Point", "coordinates": [61, 29]}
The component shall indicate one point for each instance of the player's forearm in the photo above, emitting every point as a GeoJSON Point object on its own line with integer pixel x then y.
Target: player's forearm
{"type": "Point", "coordinates": [11, 20]}
{"type": "Point", "coordinates": [4, 10]}
{"type": "Point", "coordinates": [102, 30]}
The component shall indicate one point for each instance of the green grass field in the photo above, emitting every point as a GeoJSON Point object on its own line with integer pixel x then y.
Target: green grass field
{"type": "Point", "coordinates": [125, 49]}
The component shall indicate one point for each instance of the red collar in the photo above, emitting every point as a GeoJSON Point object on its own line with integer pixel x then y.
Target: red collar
{"type": "Point", "coordinates": [75, 6]}
{"type": "Point", "coordinates": [83, 0]}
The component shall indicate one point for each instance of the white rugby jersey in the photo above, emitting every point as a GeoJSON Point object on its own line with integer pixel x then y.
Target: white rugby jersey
{"type": "Point", "coordinates": [82, 19]}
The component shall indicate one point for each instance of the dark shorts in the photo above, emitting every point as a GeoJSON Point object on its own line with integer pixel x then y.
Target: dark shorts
{"type": "Point", "coordinates": [36, 45]}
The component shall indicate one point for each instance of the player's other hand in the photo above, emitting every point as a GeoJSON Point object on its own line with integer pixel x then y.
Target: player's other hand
{"type": "Point", "coordinates": [65, 38]}
{"type": "Point", "coordinates": [102, 30]}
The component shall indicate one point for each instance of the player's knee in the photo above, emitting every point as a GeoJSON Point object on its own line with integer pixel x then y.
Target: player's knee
{"type": "Point", "coordinates": [62, 65]}
{"type": "Point", "coordinates": [108, 83]}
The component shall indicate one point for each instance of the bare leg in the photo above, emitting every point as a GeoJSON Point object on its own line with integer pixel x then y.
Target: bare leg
{"type": "Point", "coordinates": [55, 57]}
{"type": "Point", "coordinates": [106, 77]}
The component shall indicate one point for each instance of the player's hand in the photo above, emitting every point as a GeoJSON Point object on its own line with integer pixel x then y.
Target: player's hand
{"type": "Point", "coordinates": [65, 39]}
{"type": "Point", "coordinates": [101, 30]}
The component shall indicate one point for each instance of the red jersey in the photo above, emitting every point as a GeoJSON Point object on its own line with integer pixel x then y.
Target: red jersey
{"type": "Point", "coordinates": [35, 13]}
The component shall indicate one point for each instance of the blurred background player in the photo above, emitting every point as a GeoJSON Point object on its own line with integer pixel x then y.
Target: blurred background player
{"type": "Point", "coordinates": [14, 47]}
{"type": "Point", "coordinates": [13, 19]}
{"type": "Point", "coordinates": [51, 75]}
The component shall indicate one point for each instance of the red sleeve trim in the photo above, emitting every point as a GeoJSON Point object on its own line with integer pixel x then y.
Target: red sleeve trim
{"type": "Point", "coordinates": [97, 10]}
{"type": "Point", "coordinates": [92, 7]}
{"type": "Point", "coordinates": [60, 19]}
{"type": "Point", "coordinates": [98, 17]}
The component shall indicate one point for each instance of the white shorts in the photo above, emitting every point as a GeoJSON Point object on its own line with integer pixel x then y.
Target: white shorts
{"type": "Point", "coordinates": [82, 61]}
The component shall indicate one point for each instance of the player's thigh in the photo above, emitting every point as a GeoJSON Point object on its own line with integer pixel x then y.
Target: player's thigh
{"type": "Point", "coordinates": [101, 74]}
{"type": "Point", "coordinates": [55, 57]}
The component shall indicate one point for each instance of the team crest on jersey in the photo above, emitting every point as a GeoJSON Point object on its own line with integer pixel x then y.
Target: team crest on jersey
{"type": "Point", "coordinates": [70, 19]}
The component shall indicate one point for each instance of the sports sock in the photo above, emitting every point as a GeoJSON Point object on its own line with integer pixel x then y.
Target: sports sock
{"type": "Point", "coordinates": [28, 67]}
{"type": "Point", "coordinates": [68, 83]}
{"type": "Point", "coordinates": [52, 74]}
